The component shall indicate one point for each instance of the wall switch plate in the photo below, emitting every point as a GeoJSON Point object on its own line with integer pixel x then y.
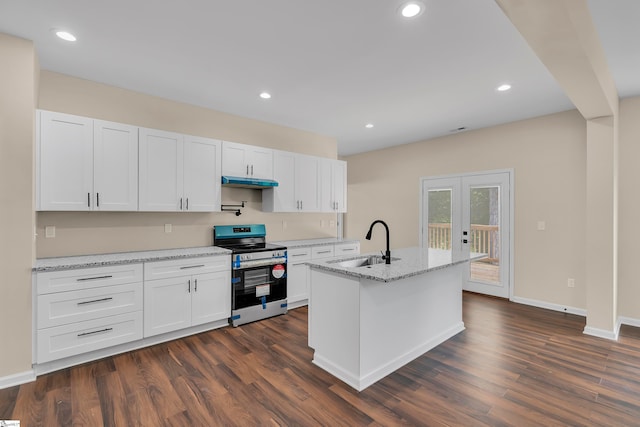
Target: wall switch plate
{"type": "Point", "coordinates": [50, 231]}
{"type": "Point", "coordinates": [541, 225]}
{"type": "Point", "coordinates": [168, 228]}
{"type": "Point", "coordinates": [571, 283]}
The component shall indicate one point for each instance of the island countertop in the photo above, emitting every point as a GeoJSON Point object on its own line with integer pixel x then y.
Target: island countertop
{"type": "Point", "coordinates": [405, 263]}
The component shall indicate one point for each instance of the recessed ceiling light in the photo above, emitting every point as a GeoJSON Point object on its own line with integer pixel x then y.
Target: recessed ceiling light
{"type": "Point", "coordinates": [503, 87]}
{"type": "Point", "coordinates": [265, 95]}
{"type": "Point", "coordinates": [369, 125]}
{"type": "Point", "coordinates": [411, 9]}
{"type": "Point", "coordinates": [65, 35]}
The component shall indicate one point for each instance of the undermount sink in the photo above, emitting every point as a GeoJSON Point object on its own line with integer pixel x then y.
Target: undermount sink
{"type": "Point", "coordinates": [362, 262]}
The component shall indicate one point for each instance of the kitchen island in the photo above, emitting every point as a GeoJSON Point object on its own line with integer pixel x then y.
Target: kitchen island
{"type": "Point", "coordinates": [366, 321]}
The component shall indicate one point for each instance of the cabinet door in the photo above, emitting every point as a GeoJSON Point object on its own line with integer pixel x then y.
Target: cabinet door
{"type": "Point", "coordinates": [235, 159]}
{"type": "Point", "coordinates": [325, 186]}
{"type": "Point", "coordinates": [283, 197]}
{"type": "Point", "coordinates": [210, 297]}
{"type": "Point", "coordinates": [161, 174]}
{"type": "Point", "coordinates": [307, 183]}
{"type": "Point", "coordinates": [66, 162]}
{"type": "Point", "coordinates": [297, 284]}
{"type": "Point", "coordinates": [339, 185]}
{"type": "Point", "coordinates": [167, 305]}
{"type": "Point", "coordinates": [115, 161]}
{"type": "Point", "coordinates": [261, 162]}
{"type": "Point", "coordinates": [202, 174]}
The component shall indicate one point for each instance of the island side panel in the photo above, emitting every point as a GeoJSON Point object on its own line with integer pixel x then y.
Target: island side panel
{"type": "Point", "coordinates": [334, 319]}
{"type": "Point", "coordinates": [403, 319]}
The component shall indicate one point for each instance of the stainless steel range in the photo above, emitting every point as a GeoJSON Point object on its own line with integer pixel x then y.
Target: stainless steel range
{"type": "Point", "coordinates": [258, 272]}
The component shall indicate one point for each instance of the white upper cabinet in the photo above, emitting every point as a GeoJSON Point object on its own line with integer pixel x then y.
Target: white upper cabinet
{"type": "Point", "coordinates": [86, 164]}
{"type": "Point", "coordinates": [115, 166]}
{"type": "Point", "coordinates": [202, 174]}
{"type": "Point", "coordinates": [243, 160]}
{"type": "Point", "coordinates": [333, 185]}
{"type": "Point", "coordinates": [297, 190]}
{"type": "Point", "coordinates": [161, 171]}
{"type": "Point", "coordinates": [178, 173]}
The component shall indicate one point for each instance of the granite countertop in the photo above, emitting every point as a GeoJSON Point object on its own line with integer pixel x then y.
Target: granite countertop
{"type": "Point", "coordinates": [313, 242]}
{"type": "Point", "coordinates": [405, 263]}
{"type": "Point", "coordinates": [85, 261]}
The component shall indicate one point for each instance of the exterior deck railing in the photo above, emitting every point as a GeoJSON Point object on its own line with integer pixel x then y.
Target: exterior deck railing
{"type": "Point", "coordinates": [483, 238]}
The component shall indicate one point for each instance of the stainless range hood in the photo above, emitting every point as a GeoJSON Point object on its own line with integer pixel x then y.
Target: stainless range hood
{"type": "Point", "coordinates": [244, 182]}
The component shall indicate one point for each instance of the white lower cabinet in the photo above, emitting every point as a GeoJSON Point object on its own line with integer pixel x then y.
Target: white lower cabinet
{"type": "Point", "coordinates": [298, 277]}
{"type": "Point", "coordinates": [298, 273]}
{"type": "Point", "coordinates": [183, 293]}
{"type": "Point", "coordinates": [83, 310]}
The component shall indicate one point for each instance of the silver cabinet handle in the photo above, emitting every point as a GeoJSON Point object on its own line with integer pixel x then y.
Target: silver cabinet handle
{"type": "Point", "coordinates": [187, 204]}
{"type": "Point", "coordinates": [299, 254]}
{"type": "Point", "coordinates": [247, 169]}
{"type": "Point", "coordinates": [191, 266]}
{"type": "Point", "coordinates": [95, 300]}
{"type": "Point", "coordinates": [195, 285]}
{"type": "Point", "coordinates": [324, 252]}
{"type": "Point", "coordinates": [88, 200]}
{"type": "Point", "coordinates": [84, 334]}
{"type": "Point", "coordinates": [93, 278]}
{"type": "Point", "coordinates": [97, 200]}
{"type": "Point", "coordinates": [189, 285]}
{"type": "Point", "coordinates": [251, 170]}
{"type": "Point", "coordinates": [180, 203]}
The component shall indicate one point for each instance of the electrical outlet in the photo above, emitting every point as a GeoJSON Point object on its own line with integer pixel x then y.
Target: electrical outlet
{"type": "Point", "coordinates": [168, 228]}
{"type": "Point", "coordinates": [541, 225]}
{"type": "Point", "coordinates": [50, 231]}
{"type": "Point", "coordinates": [571, 283]}
{"type": "Point", "coordinates": [284, 225]}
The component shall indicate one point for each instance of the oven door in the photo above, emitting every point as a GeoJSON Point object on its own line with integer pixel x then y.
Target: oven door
{"type": "Point", "coordinates": [258, 285]}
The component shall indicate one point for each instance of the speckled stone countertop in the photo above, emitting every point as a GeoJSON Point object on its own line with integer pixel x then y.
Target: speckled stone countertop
{"type": "Point", "coordinates": [85, 261]}
{"type": "Point", "coordinates": [405, 263]}
{"type": "Point", "coordinates": [313, 242]}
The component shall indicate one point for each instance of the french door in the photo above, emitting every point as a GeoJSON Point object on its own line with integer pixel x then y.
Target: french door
{"type": "Point", "coordinates": [469, 217]}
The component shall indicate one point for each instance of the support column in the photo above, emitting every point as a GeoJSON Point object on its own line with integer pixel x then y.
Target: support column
{"type": "Point", "coordinates": [602, 227]}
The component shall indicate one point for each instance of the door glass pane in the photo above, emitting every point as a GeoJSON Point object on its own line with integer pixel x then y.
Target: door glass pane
{"type": "Point", "coordinates": [439, 236]}
{"type": "Point", "coordinates": [485, 234]}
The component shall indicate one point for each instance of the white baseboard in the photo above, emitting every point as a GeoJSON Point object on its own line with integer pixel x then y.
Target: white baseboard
{"type": "Point", "coordinates": [622, 320]}
{"type": "Point", "coordinates": [550, 306]}
{"type": "Point", "coordinates": [17, 379]}
{"type": "Point", "coordinates": [602, 333]}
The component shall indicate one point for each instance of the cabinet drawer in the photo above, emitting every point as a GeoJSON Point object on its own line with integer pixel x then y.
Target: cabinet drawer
{"type": "Point", "coordinates": [347, 249]}
{"type": "Point", "coordinates": [318, 252]}
{"type": "Point", "coordinates": [69, 340]}
{"type": "Point", "coordinates": [185, 267]}
{"type": "Point", "coordinates": [86, 278]}
{"type": "Point", "coordinates": [298, 255]}
{"type": "Point", "coordinates": [75, 306]}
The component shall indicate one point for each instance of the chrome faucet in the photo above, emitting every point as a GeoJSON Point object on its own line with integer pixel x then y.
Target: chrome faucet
{"type": "Point", "coordinates": [387, 255]}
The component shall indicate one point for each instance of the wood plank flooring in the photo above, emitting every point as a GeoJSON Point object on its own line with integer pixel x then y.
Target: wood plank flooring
{"type": "Point", "coordinates": [513, 365]}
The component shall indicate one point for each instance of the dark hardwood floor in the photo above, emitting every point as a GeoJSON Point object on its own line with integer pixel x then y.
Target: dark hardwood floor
{"type": "Point", "coordinates": [513, 365]}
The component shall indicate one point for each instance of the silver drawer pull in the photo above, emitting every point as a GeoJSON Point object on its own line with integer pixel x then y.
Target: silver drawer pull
{"type": "Point", "coordinates": [299, 254]}
{"type": "Point", "coordinates": [348, 249]}
{"type": "Point", "coordinates": [324, 252]}
{"type": "Point", "coordinates": [95, 300]}
{"type": "Point", "coordinates": [191, 266]}
{"type": "Point", "coordinates": [84, 334]}
{"type": "Point", "coordinates": [94, 278]}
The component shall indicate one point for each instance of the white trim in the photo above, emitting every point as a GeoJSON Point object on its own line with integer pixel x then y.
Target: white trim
{"type": "Point", "coordinates": [17, 379]}
{"type": "Point", "coordinates": [550, 306]}
{"type": "Point", "coordinates": [622, 320]}
{"type": "Point", "coordinates": [602, 333]}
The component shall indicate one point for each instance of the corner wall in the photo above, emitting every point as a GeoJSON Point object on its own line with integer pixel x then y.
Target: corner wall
{"type": "Point", "coordinates": [80, 233]}
{"type": "Point", "coordinates": [18, 88]}
{"type": "Point", "coordinates": [548, 155]}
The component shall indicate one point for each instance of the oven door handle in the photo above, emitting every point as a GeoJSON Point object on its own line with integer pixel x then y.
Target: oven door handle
{"type": "Point", "coordinates": [259, 263]}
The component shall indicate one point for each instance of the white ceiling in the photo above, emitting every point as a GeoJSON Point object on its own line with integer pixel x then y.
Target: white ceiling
{"type": "Point", "coordinates": [332, 66]}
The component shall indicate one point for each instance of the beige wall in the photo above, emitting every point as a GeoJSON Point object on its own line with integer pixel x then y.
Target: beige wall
{"type": "Point", "coordinates": [629, 209]}
{"type": "Point", "coordinates": [548, 156]}
{"type": "Point", "coordinates": [17, 86]}
{"type": "Point", "coordinates": [101, 232]}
